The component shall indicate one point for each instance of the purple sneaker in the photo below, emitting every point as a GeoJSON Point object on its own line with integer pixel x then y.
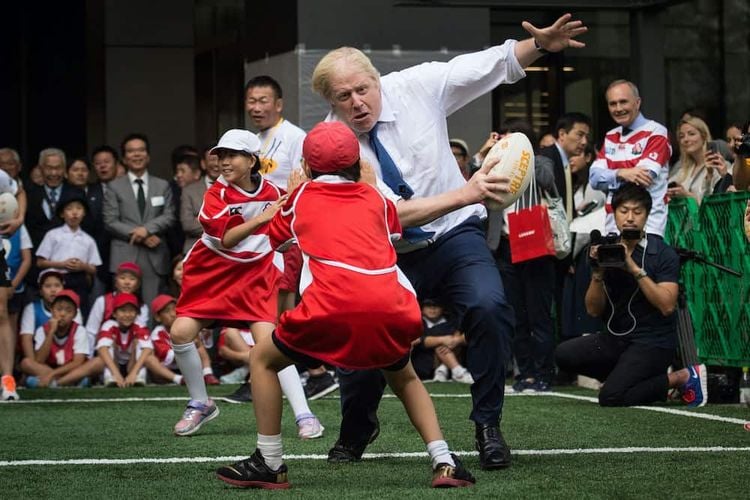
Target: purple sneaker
{"type": "Point", "coordinates": [196, 414]}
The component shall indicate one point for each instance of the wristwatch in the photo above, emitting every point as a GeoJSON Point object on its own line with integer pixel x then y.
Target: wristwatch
{"type": "Point", "coordinates": [640, 275]}
{"type": "Point", "coordinates": [539, 48]}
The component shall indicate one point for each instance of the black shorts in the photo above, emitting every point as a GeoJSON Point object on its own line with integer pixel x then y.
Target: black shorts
{"type": "Point", "coordinates": [310, 362]}
{"type": "Point", "coordinates": [4, 270]}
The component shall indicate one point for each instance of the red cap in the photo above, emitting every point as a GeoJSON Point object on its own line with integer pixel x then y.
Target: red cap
{"type": "Point", "coordinates": [330, 146]}
{"type": "Point", "coordinates": [122, 299]}
{"type": "Point", "coordinates": [160, 302]}
{"type": "Point", "coordinates": [68, 294]}
{"type": "Point", "coordinates": [130, 267]}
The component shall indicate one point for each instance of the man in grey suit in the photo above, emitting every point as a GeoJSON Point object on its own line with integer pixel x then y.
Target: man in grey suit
{"type": "Point", "coordinates": [192, 199]}
{"type": "Point", "coordinates": [137, 210]}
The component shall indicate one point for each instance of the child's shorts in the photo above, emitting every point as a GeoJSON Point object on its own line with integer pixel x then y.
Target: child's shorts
{"type": "Point", "coordinates": [310, 362]}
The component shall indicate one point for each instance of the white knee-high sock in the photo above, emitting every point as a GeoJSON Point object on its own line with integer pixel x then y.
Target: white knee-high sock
{"type": "Point", "coordinates": [291, 386]}
{"type": "Point", "coordinates": [189, 362]}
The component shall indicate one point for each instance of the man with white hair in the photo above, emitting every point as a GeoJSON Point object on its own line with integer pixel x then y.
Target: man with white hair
{"type": "Point", "coordinates": [400, 120]}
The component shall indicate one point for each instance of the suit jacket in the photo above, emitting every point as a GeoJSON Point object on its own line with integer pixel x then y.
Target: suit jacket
{"type": "Point", "coordinates": [553, 154]}
{"type": "Point", "coordinates": [95, 200]}
{"type": "Point", "coordinates": [121, 215]}
{"type": "Point", "coordinates": [190, 206]}
{"type": "Point", "coordinates": [37, 222]}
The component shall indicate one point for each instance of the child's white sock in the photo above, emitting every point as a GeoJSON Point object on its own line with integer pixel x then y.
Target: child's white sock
{"type": "Point", "coordinates": [270, 448]}
{"type": "Point", "coordinates": [189, 361]}
{"type": "Point", "coordinates": [458, 371]}
{"type": "Point", "coordinates": [208, 371]}
{"type": "Point", "coordinates": [440, 453]}
{"type": "Point", "coordinates": [291, 386]}
{"type": "Point", "coordinates": [177, 379]}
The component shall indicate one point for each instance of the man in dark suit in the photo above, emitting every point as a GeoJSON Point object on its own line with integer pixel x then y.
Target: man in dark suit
{"type": "Point", "coordinates": [43, 200]}
{"type": "Point", "coordinates": [192, 199]}
{"type": "Point", "coordinates": [571, 136]}
{"type": "Point", "coordinates": [138, 210]}
{"type": "Point", "coordinates": [104, 160]}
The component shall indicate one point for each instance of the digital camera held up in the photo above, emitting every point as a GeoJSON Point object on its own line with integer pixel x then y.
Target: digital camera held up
{"type": "Point", "coordinates": [611, 253]}
{"type": "Point", "coordinates": [743, 145]}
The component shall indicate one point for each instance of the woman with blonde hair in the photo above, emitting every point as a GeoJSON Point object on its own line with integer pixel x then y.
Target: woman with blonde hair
{"type": "Point", "coordinates": [700, 167]}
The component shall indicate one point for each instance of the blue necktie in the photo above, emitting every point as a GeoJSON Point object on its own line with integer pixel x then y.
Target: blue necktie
{"type": "Point", "coordinates": [392, 178]}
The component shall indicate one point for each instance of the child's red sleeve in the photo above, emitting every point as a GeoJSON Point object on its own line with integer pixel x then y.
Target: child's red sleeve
{"type": "Point", "coordinates": [215, 215]}
{"type": "Point", "coordinates": [394, 225]}
{"type": "Point", "coordinates": [280, 227]}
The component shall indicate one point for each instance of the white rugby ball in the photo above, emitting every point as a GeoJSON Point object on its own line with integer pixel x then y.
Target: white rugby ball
{"type": "Point", "coordinates": [516, 161]}
{"type": "Point", "coordinates": [8, 207]}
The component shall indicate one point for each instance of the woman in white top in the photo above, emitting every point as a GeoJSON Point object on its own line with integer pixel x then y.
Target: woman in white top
{"type": "Point", "coordinates": [697, 171]}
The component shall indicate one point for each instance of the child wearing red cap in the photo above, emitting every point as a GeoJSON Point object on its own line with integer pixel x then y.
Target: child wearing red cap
{"type": "Point", "coordinates": [162, 365]}
{"type": "Point", "coordinates": [335, 322]}
{"type": "Point", "coordinates": [60, 345]}
{"type": "Point", "coordinates": [127, 280]}
{"type": "Point", "coordinates": [122, 348]}
{"type": "Point", "coordinates": [231, 275]}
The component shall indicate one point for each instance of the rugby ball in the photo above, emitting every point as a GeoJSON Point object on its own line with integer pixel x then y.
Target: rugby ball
{"type": "Point", "coordinates": [516, 161]}
{"type": "Point", "coordinates": [8, 207]}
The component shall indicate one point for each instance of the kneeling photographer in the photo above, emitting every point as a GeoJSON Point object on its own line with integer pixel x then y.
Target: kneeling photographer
{"type": "Point", "coordinates": [633, 289]}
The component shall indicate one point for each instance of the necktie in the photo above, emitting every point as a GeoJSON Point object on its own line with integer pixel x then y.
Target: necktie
{"type": "Point", "coordinates": [141, 197]}
{"type": "Point", "coordinates": [568, 194]}
{"type": "Point", "coordinates": [53, 200]}
{"type": "Point", "coordinates": [392, 178]}
{"type": "Point", "coordinates": [626, 130]}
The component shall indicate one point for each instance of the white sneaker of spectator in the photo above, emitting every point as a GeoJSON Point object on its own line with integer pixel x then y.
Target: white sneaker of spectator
{"type": "Point", "coordinates": [461, 375]}
{"type": "Point", "coordinates": [236, 376]}
{"type": "Point", "coordinates": [441, 374]}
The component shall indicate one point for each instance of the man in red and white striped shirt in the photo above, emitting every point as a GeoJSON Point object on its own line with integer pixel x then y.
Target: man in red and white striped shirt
{"type": "Point", "coordinates": [637, 151]}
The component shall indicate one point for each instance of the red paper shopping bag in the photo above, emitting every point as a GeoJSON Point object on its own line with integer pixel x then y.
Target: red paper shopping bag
{"type": "Point", "coordinates": [530, 234]}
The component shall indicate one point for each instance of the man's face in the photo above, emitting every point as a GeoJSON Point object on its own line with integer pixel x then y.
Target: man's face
{"type": "Point", "coordinates": [355, 98]}
{"type": "Point", "coordinates": [631, 215]}
{"type": "Point", "coordinates": [623, 105]}
{"type": "Point", "coordinates": [211, 165]}
{"type": "Point", "coordinates": [733, 138]}
{"type": "Point", "coordinates": [53, 170]}
{"type": "Point", "coordinates": [9, 164]}
{"type": "Point", "coordinates": [105, 166]}
{"type": "Point", "coordinates": [263, 108]}
{"type": "Point", "coordinates": [136, 156]}
{"type": "Point", "coordinates": [461, 158]}
{"type": "Point", "coordinates": [574, 141]}
{"type": "Point", "coordinates": [78, 174]}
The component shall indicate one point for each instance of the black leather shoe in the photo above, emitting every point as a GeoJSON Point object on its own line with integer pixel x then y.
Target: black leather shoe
{"type": "Point", "coordinates": [493, 451]}
{"type": "Point", "coordinates": [343, 453]}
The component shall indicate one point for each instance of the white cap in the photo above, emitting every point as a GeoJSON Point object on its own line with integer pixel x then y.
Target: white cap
{"type": "Point", "coordinates": [238, 140]}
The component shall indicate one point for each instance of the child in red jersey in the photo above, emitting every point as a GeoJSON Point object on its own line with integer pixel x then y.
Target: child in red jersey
{"type": "Point", "coordinates": [357, 311]}
{"type": "Point", "coordinates": [60, 345]}
{"type": "Point", "coordinates": [230, 275]}
{"type": "Point", "coordinates": [122, 347]}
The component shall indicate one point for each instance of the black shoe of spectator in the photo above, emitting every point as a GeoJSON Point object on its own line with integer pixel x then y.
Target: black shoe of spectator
{"type": "Point", "coordinates": [493, 451]}
{"type": "Point", "coordinates": [343, 453]}
{"type": "Point", "coordinates": [320, 385]}
{"type": "Point", "coordinates": [243, 394]}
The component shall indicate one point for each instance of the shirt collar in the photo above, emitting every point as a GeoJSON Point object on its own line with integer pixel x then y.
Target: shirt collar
{"type": "Point", "coordinates": [332, 179]}
{"type": "Point", "coordinates": [132, 177]}
{"type": "Point", "coordinates": [562, 153]}
{"type": "Point", "coordinates": [639, 121]}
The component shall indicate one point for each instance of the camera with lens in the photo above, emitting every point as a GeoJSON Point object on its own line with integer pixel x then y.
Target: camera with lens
{"type": "Point", "coordinates": [743, 145]}
{"type": "Point", "coordinates": [611, 253]}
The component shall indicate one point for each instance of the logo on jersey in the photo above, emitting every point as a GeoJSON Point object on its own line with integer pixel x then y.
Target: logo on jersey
{"type": "Point", "coordinates": [637, 149]}
{"type": "Point", "coordinates": [654, 156]}
{"type": "Point", "coordinates": [235, 210]}
{"type": "Point", "coordinates": [267, 165]}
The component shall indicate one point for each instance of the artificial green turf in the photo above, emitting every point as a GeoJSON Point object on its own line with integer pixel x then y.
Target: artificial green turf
{"type": "Point", "coordinates": [129, 430]}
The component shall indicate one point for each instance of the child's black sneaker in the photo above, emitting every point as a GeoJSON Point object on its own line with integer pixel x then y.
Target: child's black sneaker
{"type": "Point", "coordinates": [254, 473]}
{"type": "Point", "coordinates": [448, 476]}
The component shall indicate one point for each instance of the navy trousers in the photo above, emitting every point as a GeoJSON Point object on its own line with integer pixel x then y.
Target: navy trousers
{"type": "Point", "coordinates": [459, 270]}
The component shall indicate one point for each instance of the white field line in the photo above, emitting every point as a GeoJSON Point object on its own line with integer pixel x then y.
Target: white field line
{"type": "Point", "coordinates": [420, 454]}
{"type": "Point", "coordinates": [660, 409]}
